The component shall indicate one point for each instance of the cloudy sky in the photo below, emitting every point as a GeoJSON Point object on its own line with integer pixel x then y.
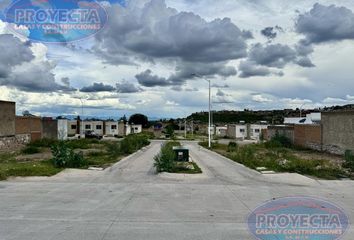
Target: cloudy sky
{"type": "Point", "coordinates": [258, 54]}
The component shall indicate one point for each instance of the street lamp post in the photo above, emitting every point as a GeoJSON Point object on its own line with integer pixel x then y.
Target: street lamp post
{"type": "Point", "coordinates": [209, 125]}
{"type": "Point", "coordinates": [82, 121]}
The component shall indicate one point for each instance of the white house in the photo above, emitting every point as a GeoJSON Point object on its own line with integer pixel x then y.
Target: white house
{"type": "Point", "coordinates": [256, 131]}
{"type": "Point", "coordinates": [111, 128]}
{"type": "Point", "coordinates": [221, 131]}
{"type": "Point", "coordinates": [312, 118]}
{"type": "Point", "coordinates": [237, 131]}
{"type": "Point", "coordinates": [133, 129]}
{"type": "Point", "coordinates": [72, 127]}
{"type": "Point", "coordinates": [95, 126]}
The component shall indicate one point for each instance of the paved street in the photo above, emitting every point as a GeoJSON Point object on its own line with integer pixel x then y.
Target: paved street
{"type": "Point", "coordinates": [129, 201]}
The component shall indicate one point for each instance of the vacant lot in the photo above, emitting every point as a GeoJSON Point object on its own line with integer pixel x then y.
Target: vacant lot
{"type": "Point", "coordinates": [37, 158]}
{"type": "Point", "coordinates": [278, 158]}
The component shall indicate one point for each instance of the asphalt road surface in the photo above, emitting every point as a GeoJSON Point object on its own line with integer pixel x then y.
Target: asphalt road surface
{"type": "Point", "coordinates": [130, 202]}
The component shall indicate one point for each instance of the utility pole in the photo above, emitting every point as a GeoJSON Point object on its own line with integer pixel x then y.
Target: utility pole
{"type": "Point", "coordinates": [185, 128]}
{"type": "Point", "coordinates": [209, 125]}
{"type": "Point", "coordinates": [192, 128]}
{"type": "Point", "coordinates": [209, 112]}
{"type": "Point", "coordinates": [82, 120]}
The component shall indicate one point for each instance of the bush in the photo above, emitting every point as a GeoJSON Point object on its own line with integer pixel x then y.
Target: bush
{"type": "Point", "coordinates": [165, 161]}
{"type": "Point", "coordinates": [132, 143]}
{"type": "Point", "coordinates": [279, 141]}
{"type": "Point", "coordinates": [30, 150]}
{"type": "Point", "coordinates": [84, 143]}
{"type": "Point", "coordinates": [113, 149]}
{"type": "Point", "coordinates": [349, 160]}
{"type": "Point", "coordinates": [246, 156]}
{"type": "Point", "coordinates": [232, 147]}
{"type": "Point", "coordinates": [45, 143]}
{"type": "Point", "coordinates": [64, 156]}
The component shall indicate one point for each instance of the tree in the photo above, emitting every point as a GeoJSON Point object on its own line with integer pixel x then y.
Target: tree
{"type": "Point", "coordinates": [170, 131]}
{"type": "Point", "coordinates": [124, 119]}
{"type": "Point", "coordinates": [139, 119]}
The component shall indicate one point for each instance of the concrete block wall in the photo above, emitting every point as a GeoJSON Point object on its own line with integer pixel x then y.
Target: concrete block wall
{"type": "Point", "coordinates": [338, 131]}
{"type": "Point", "coordinates": [14, 142]}
{"type": "Point", "coordinates": [7, 118]}
{"type": "Point", "coordinates": [49, 128]}
{"type": "Point", "coordinates": [287, 131]}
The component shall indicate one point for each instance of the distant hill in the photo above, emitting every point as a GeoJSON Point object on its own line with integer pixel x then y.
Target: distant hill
{"type": "Point", "coordinates": [249, 116]}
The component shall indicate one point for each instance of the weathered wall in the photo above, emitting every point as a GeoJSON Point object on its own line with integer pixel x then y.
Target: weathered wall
{"type": "Point", "coordinates": [14, 142]}
{"type": "Point", "coordinates": [231, 131]}
{"type": "Point", "coordinates": [287, 131]}
{"type": "Point", "coordinates": [308, 136]}
{"type": "Point", "coordinates": [62, 129]}
{"type": "Point", "coordinates": [29, 125]}
{"type": "Point", "coordinates": [7, 118]}
{"type": "Point", "coordinates": [338, 131]}
{"type": "Point", "coordinates": [49, 128]}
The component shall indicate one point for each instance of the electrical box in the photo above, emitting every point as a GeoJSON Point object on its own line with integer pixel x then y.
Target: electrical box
{"type": "Point", "coordinates": [181, 154]}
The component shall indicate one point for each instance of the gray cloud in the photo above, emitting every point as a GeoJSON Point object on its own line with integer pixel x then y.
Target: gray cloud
{"type": "Point", "coordinates": [303, 48]}
{"type": "Point", "coordinates": [273, 55]}
{"type": "Point", "coordinates": [13, 52]}
{"type": "Point", "coordinates": [161, 32]}
{"type": "Point", "coordinates": [326, 23]}
{"type": "Point", "coordinates": [156, 32]}
{"type": "Point", "coordinates": [185, 70]}
{"type": "Point", "coordinates": [17, 70]}
{"type": "Point", "coordinates": [220, 85]}
{"type": "Point", "coordinates": [126, 87]}
{"type": "Point", "coordinates": [250, 69]}
{"type": "Point", "coordinates": [98, 87]}
{"type": "Point", "coordinates": [271, 32]}
{"type": "Point", "coordinates": [305, 62]}
{"type": "Point", "coordinates": [147, 79]}
{"type": "Point", "coordinates": [220, 93]}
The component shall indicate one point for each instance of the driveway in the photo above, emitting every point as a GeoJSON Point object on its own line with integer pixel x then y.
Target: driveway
{"type": "Point", "coordinates": [130, 202]}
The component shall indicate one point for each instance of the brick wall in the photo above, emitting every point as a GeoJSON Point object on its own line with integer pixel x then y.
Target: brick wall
{"type": "Point", "coordinates": [308, 136]}
{"type": "Point", "coordinates": [29, 125]}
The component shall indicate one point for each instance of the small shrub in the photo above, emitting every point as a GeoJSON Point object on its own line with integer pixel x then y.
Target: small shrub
{"type": "Point", "coordinates": [64, 156]}
{"type": "Point", "coordinates": [279, 141]}
{"type": "Point", "coordinates": [164, 161]}
{"type": "Point", "coordinates": [113, 149]}
{"type": "Point", "coordinates": [246, 156]}
{"type": "Point", "coordinates": [45, 143]}
{"type": "Point", "coordinates": [82, 143]}
{"type": "Point", "coordinates": [349, 160]}
{"type": "Point", "coordinates": [232, 147]}
{"type": "Point", "coordinates": [132, 143]}
{"type": "Point", "coordinates": [30, 150]}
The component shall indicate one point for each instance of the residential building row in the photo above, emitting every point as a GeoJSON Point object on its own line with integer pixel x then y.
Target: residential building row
{"type": "Point", "coordinates": [17, 130]}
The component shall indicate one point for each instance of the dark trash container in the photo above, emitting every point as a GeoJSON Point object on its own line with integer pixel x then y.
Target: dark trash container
{"type": "Point", "coordinates": [181, 154]}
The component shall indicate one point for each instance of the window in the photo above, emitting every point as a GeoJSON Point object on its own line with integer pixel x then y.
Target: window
{"type": "Point", "coordinates": [87, 126]}
{"type": "Point", "coordinates": [242, 130]}
{"type": "Point", "coordinates": [136, 129]}
{"type": "Point", "coordinates": [73, 127]}
{"type": "Point", "coordinates": [257, 131]}
{"type": "Point", "coordinates": [98, 127]}
{"type": "Point", "coordinates": [114, 127]}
